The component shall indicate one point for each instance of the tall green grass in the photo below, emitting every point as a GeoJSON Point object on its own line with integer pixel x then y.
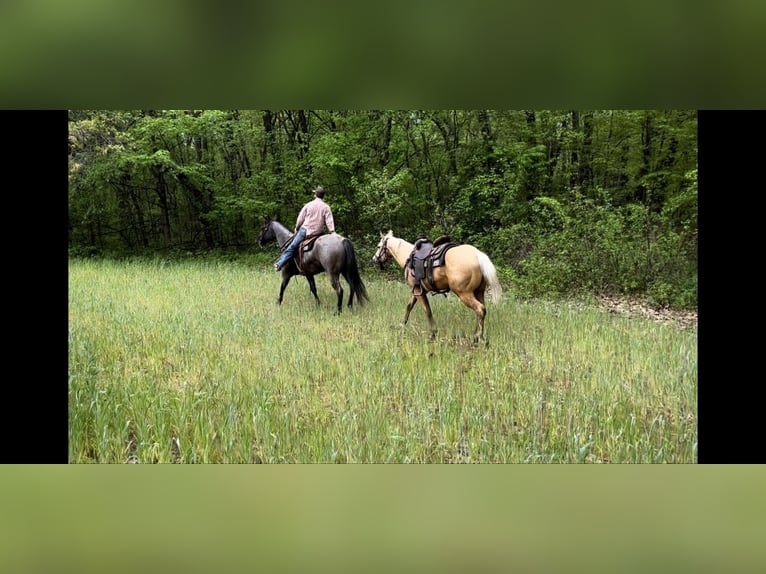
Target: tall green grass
{"type": "Point", "coordinates": [195, 362]}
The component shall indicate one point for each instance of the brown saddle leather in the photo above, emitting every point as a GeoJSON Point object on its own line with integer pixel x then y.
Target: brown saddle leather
{"type": "Point", "coordinates": [425, 257]}
{"type": "Point", "coordinates": [305, 246]}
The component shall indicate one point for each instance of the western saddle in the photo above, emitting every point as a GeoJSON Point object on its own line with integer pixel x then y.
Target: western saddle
{"type": "Point", "coordinates": [424, 258]}
{"type": "Point", "coordinates": [305, 246]}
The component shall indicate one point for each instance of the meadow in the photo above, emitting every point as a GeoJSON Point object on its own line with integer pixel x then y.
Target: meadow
{"type": "Point", "coordinates": [194, 362]}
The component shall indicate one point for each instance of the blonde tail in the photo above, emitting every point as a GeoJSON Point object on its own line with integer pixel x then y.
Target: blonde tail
{"type": "Point", "coordinates": [490, 275]}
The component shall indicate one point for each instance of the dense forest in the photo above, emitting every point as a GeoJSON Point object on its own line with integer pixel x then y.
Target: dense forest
{"type": "Point", "coordinates": [564, 202]}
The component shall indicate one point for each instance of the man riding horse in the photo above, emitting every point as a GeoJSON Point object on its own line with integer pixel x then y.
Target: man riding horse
{"type": "Point", "coordinates": [312, 219]}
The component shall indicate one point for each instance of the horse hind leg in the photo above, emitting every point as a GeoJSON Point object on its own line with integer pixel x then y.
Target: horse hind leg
{"type": "Point", "coordinates": [351, 290]}
{"type": "Point", "coordinates": [481, 312]}
{"type": "Point", "coordinates": [335, 282]}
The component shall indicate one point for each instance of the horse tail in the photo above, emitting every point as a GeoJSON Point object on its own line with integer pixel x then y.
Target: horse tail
{"type": "Point", "coordinates": [351, 273]}
{"type": "Point", "coordinates": [490, 276]}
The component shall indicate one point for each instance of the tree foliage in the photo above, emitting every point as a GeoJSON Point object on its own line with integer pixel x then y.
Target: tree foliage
{"type": "Point", "coordinates": [564, 201]}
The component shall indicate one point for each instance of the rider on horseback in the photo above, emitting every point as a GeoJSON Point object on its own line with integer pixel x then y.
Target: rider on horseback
{"type": "Point", "coordinates": [312, 219]}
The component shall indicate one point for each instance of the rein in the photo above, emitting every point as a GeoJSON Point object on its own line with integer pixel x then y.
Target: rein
{"type": "Point", "coordinates": [286, 243]}
{"type": "Point", "coordinates": [290, 236]}
{"type": "Point", "coordinates": [383, 255]}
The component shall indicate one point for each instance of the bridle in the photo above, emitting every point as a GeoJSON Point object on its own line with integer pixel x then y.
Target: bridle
{"type": "Point", "coordinates": [382, 255]}
{"type": "Point", "coordinates": [260, 236]}
{"type": "Point", "coordinates": [266, 227]}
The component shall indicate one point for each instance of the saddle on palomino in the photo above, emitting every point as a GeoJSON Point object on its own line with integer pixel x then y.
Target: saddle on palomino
{"type": "Point", "coordinates": [425, 257]}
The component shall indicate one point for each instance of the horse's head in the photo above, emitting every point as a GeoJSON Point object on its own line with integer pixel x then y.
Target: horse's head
{"type": "Point", "coordinates": [267, 234]}
{"type": "Point", "coordinates": [382, 255]}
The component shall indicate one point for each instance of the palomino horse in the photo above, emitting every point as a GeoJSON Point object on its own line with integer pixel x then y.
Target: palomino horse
{"type": "Point", "coordinates": [331, 253]}
{"type": "Point", "coordinates": [467, 272]}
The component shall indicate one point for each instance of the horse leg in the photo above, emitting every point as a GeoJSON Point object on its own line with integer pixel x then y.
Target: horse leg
{"type": "Point", "coordinates": [410, 305]}
{"type": "Point", "coordinates": [335, 282]}
{"type": "Point", "coordinates": [285, 280]}
{"type": "Point", "coordinates": [423, 298]}
{"type": "Point", "coordinates": [481, 311]}
{"type": "Point", "coordinates": [351, 290]}
{"type": "Point", "coordinates": [427, 306]}
{"type": "Point", "coordinates": [313, 287]}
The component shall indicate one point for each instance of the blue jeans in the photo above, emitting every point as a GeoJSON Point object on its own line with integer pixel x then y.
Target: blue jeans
{"type": "Point", "coordinates": [288, 253]}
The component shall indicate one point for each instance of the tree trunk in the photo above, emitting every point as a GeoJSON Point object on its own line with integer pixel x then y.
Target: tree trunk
{"type": "Point", "coordinates": [647, 128]}
{"type": "Point", "coordinates": [386, 143]}
{"type": "Point", "coordinates": [531, 119]}
{"type": "Point", "coordinates": [270, 143]}
{"type": "Point", "coordinates": [201, 207]}
{"type": "Point", "coordinates": [574, 172]}
{"type": "Point", "coordinates": [488, 141]}
{"type": "Point", "coordinates": [162, 193]}
{"type": "Point", "coordinates": [586, 167]}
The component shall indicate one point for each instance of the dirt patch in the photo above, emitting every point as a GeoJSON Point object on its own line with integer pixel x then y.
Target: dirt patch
{"type": "Point", "coordinates": [683, 319]}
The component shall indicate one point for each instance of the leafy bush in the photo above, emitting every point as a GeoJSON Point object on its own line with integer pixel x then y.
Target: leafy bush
{"type": "Point", "coordinates": [589, 246]}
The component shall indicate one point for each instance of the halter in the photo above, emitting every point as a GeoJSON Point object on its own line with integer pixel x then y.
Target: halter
{"type": "Point", "coordinates": [264, 229]}
{"type": "Point", "coordinates": [269, 226]}
{"type": "Point", "coordinates": [382, 255]}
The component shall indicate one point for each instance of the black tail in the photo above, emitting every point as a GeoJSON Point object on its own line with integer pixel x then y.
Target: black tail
{"type": "Point", "coordinates": [351, 273]}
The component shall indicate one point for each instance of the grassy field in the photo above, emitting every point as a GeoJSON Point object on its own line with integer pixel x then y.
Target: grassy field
{"type": "Point", "coordinates": [194, 362]}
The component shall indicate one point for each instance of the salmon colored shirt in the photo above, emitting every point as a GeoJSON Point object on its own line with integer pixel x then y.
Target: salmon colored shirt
{"type": "Point", "coordinates": [314, 216]}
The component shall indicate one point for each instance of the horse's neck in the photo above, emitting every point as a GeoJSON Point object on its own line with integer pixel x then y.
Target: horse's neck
{"type": "Point", "coordinates": [400, 250]}
{"type": "Point", "coordinates": [282, 233]}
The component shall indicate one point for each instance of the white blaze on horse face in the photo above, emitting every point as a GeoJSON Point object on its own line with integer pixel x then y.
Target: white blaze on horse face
{"type": "Point", "coordinates": [379, 252]}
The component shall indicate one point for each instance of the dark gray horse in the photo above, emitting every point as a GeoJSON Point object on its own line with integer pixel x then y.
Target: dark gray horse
{"type": "Point", "coordinates": [331, 253]}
